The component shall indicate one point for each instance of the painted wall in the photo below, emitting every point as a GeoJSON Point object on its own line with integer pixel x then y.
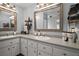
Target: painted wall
{"type": "Point", "coordinates": [29, 12]}
{"type": "Point", "coordinates": [20, 19]}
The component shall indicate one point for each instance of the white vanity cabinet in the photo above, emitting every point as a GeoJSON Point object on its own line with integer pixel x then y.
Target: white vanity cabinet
{"type": "Point", "coordinates": [32, 48]}
{"type": "Point", "coordinates": [64, 52]}
{"type": "Point", "coordinates": [37, 48]}
{"type": "Point", "coordinates": [9, 47]}
{"type": "Point", "coordinates": [44, 49]}
{"type": "Point", "coordinates": [24, 46]}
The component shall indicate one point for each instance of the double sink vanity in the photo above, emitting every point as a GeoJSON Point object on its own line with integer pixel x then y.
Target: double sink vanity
{"type": "Point", "coordinates": [30, 45]}
{"type": "Point", "coordinates": [47, 19]}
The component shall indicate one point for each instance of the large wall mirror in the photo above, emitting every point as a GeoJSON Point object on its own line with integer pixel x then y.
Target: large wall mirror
{"type": "Point", "coordinates": [49, 19]}
{"type": "Point", "coordinates": [7, 19]}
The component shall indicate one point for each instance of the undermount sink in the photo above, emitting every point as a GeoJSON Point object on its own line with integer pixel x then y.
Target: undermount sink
{"type": "Point", "coordinates": [42, 38]}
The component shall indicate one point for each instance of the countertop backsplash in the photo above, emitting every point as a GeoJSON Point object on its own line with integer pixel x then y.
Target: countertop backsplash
{"type": "Point", "coordinates": [6, 33]}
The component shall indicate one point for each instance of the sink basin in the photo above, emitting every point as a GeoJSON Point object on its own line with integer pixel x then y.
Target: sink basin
{"type": "Point", "coordinates": [43, 38]}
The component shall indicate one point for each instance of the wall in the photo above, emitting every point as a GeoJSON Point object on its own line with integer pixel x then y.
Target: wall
{"type": "Point", "coordinates": [20, 19]}
{"type": "Point", "coordinates": [29, 12]}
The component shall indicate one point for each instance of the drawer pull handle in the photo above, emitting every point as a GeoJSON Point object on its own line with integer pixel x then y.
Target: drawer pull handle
{"type": "Point", "coordinates": [64, 54]}
{"type": "Point", "coordinates": [34, 51]}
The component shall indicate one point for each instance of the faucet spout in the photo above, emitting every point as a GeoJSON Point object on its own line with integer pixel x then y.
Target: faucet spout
{"type": "Point", "coordinates": [75, 37]}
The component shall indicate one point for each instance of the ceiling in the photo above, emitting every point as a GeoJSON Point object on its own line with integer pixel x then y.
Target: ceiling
{"type": "Point", "coordinates": [23, 5]}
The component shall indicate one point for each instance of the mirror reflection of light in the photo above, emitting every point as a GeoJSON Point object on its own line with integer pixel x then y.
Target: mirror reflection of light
{"type": "Point", "coordinates": [12, 17]}
{"type": "Point", "coordinates": [58, 26]}
{"type": "Point", "coordinates": [37, 17]}
{"type": "Point", "coordinates": [58, 20]}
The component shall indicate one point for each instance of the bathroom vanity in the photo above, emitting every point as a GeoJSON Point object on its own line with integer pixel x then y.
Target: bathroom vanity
{"type": "Point", "coordinates": [46, 19]}
{"type": "Point", "coordinates": [30, 45]}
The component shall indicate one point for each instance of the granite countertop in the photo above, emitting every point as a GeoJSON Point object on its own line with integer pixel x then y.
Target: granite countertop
{"type": "Point", "coordinates": [50, 40]}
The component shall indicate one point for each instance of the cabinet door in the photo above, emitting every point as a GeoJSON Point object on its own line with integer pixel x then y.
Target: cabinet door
{"type": "Point", "coordinates": [41, 53]}
{"type": "Point", "coordinates": [23, 41]}
{"type": "Point", "coordinates": [15, 49]}
{"type": "Point", "coordinates": [32, 44]}
{"type": "Point", "coordinates": [44, 47]}
{"type": "Point", "coordinates": [32, 51]}
{"type": "Point", "coordinates": [24, 49]}
{"type": "Point", "coordinates": [6, 51]}
{"type": "Point", "coordinates": [62, 52]}
{"type": "Point", "coordinates": [24, 46]}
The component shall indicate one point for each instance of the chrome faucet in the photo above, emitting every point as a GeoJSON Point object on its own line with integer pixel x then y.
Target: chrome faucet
{"type": "Point", "coordinates": [75, 37]}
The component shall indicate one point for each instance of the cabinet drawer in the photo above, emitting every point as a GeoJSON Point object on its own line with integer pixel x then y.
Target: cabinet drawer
{"type": "Point", "coordinates": [41, 53]}
{"type": "Point", "coordinates": [62, 52]}
{"type": "Point", "coordinates": [32, 44]}
{"type": "Point", "coordinates": [45, 48]}
{"type": "Point", "coordinates": [14, 41]}
{"type": "Point", "coordinates": [24, 41]}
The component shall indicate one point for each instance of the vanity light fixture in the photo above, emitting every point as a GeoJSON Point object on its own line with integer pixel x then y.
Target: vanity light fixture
{"type": "Point", "coordinates": [8, 7]}
{"type": "Point", "coordinates": [41, 6]}
{"type": "Point", "coordinates": [11, 17]}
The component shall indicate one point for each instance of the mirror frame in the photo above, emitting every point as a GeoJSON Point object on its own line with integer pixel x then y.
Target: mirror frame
{"type": "Point", "coordinates": [61, 18]}
{"type": "Point", "coordinates": [2, 8]}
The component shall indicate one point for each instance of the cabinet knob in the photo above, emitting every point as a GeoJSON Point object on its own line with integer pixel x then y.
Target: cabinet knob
{"type": "Point", "coordinates": [13, 47]}
{"type": "Point", "coordinates": [8, 48]}
{"type": "Point", "coordinates": [10, 42]}
{"type": "Point", "coordinates": [39, 53]}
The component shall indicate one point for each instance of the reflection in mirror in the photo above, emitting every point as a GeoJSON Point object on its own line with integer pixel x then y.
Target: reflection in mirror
{"type": "Point", "coordinates": [7, 19]}
{"type": "Point", "coordinates": [49, 19]}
